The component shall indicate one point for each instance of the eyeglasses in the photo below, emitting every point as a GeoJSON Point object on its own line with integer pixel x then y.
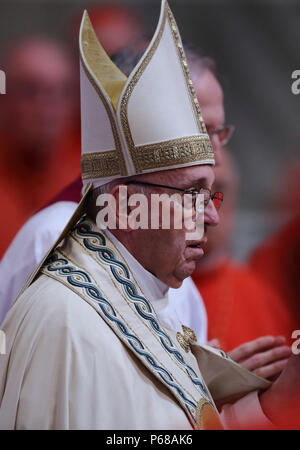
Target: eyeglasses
{"type": "Point", "coordinates": [224, 132]}
{"type": "Point", "coordinates": [217, 197]}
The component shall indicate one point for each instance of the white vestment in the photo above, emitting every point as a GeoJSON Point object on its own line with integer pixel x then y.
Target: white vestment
{"type": "Point", "coordinates": [86, 350]}
{"type": "Point", "coordinates": [30, 245]}
{"type": "Point", "coordinates": [35, 239]}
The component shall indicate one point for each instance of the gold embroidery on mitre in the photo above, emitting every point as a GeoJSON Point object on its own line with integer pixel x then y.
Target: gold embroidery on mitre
{"type": "Point", "coordinates": [187, 338]}
{"type": "Point", "coordinates": [206, 417]}
{"type": "Point", "coordinates": [185, 68]}
{"type": "Point", "coordinates": [130, 87]}
{"type": "Point", "coordinates": [161, 154]}
{"type": "Point", "coordinates": [173, 152]}
{"type": "Point", "coordinates": [108, 75]}
{"type": "Point", "coordinates": [90, 61]}
{"type": "Point", "coordinates": [100, 164]}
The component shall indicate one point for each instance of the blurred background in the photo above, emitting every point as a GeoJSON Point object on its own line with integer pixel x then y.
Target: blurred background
{"type": "Point", "coordinates": [255, 45]}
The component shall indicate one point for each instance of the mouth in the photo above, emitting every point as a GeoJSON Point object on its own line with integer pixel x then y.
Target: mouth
{"type": "Point", "coordinates": [197, 244]}
{"type": "Point", "coordinates": [195, 249]}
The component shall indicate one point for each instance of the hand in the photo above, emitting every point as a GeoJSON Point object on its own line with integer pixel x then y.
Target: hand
{"type": "Point", "coordinates": [266, 356]}
{"type": "Point", "coordinates": [281, 402]}
{"type": "Point", "coordinates": [214, 343]}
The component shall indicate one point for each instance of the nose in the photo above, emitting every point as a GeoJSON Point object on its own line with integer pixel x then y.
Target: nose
{"type": "Point", "coordinates": [211, 216]}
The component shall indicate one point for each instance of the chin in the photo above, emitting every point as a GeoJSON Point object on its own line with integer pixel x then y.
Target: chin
{"type": "Point", "coordinates": [190, 269]}
{"type": "Point", "coordinates": [185, 273]}
{"type": "Point", "coordinates": [175, 283]}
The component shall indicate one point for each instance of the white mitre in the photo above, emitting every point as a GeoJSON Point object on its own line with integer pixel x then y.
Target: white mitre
{"type": "Point", "coordinates": [146, 123]}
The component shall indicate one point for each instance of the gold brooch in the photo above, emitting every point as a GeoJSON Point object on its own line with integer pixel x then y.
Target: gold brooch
{"type": "Point", "coordinates": [187, 338]}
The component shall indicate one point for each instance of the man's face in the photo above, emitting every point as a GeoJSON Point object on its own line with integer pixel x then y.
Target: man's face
{"type": "Point", "coordinates": [210, 97]}
{"type": "Point", "coordinates": [40, 102]}
{"type": "Point", "coordinates": [165, 252]}
{"type": "Point", "coordinates": [226, 181]}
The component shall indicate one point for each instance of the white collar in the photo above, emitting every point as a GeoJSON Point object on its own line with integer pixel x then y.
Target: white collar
{"type": "Point", "coordinates": [153, 288]}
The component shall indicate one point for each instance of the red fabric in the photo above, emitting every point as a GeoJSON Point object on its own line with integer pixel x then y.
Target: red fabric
{"type": "Point", "coordinates": [23, 192]}
{"type": "Point", "coordinates": [241, 306]}
{"type": "Point", "coordinates": [278, 261]}
{"type": "Point", "coordinates": [71, 193]}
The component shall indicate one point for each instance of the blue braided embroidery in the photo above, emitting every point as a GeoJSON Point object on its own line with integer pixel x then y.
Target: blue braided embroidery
{"type": "Point", "coordinates": [81, 279]}
{"type": "Point", "coordinates": [84, 230]}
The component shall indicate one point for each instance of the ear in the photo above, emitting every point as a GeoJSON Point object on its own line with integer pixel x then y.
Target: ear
{"type": "Point", "coordinates": [122, 192]}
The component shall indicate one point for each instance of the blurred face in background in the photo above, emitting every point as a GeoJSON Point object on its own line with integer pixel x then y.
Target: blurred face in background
{"type": "Point", "coordinates": [210, 97]}
{"type": "Point", "coordinates": [226, 181]}
{"type": "Point", "coordinates": [40, 94]}
{"type": "Point", "coordinates": [116, 26]}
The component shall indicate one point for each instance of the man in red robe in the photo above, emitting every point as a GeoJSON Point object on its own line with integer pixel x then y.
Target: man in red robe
{"type": "Point", "coordinates": [36, 118]}
{"type": "Point", "coordinates": [241, 305]}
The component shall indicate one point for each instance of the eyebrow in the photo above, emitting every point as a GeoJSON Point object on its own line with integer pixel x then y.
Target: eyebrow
{"type": "Point", "coordinates": [198, 181]}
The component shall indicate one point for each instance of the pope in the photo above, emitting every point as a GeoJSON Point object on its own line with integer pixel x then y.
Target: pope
{"type": "Point", "coordinates": [88, 345]}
